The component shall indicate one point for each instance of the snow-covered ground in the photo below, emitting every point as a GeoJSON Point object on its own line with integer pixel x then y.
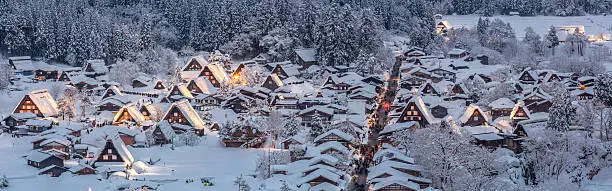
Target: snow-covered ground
{"type": "Point", "coordinates": [593, 24]}
{"type": "Point", "coordinates": [602, 181]}
{"type": "Point", "coordinates": [209, 159]}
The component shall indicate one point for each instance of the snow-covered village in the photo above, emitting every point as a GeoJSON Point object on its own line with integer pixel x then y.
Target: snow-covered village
{"type": "Point", "coordinates": [306, 95]}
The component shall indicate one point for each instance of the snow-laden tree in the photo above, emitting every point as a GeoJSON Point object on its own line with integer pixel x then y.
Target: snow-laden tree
{"type": "Point", "coordinates": [124, 72]}
{"type": "Point", "coordinates": [316, 126]}
{"type": "Point", "coordinates": [157, 61]}
{"type": "Point", "coordinates": [273, 125]}
{"type": "Point", "coordinates": [335, 38]}
{"type": "Point", "coordinates": [562, 112]}
{"type": "Point", "coordinates": [190, 139]}
{"type": "Point", "coordinates": [279, 43]}
{"type": "Point", "coordinates": [241, 183]}
{"type": "Point", "coordinates": [603, 88]}
{"type": "Point", "coordinates": [291, 127]}
{"type": "Point", "coordinates": [551, 40]}
{"type": "Point", "coordinates": [6, 73]}
{"type": "Point", "coordinates": [533, 41]}
{"type": "Point", "coordinates": [267, 158]}
{"type": "Point", "coordinates": [567, 157]}
{"type": "Point", "coordinates": [450, 159]}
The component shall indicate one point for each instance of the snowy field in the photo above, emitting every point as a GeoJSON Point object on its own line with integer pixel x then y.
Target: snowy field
{"type": "Point", "coordinates": [593, 24]}
{"type": "Point", "coordinates": [209, 159]}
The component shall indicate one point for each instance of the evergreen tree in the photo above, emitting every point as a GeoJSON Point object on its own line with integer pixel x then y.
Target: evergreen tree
{"type": "Point", "coordinates": [552, 40]}
{"type": "Point", "coordinates": [533, 41]}
{"type": "Point", "coordinates": [561, 112]}
{"type": "Point", "coordinates": [603, 88]}
{"type": "Point", "coordinates": [316, 126]}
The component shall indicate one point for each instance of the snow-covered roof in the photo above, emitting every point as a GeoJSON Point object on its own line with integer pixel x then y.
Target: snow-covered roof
{"type": "Point", "coordinates": [395, 181]}
{"type": "Point", "coordinates": [323, 158]}
{"type": "Point", "coordinates": [391, 153]}
{"type": "Point", "coordinates": [39, 122]}
{"type": "Point", "coordinates": [325, 186]}
{"type": "Point", "coordinates": [166, 129]}
{"type": "Point", "coordinates": [38, 156]}
{"type": "Point", "coordinates": [306, 54]}
{"type": "Point", "coordinates": [205, 86]}
{"type": "Point", "coordinates": [44, 102]}
{"type": "Point", "coordinates": [218, 72]}
{"type": "Point", "coordinates": [22, 116]}
{"type": "Point", "coordinates": [398, 127]}
{"type": "Point", "coordinates": [187, 110]}
{"type": "Point", "coordinates": [199, 59]}
{"type": "Point", "coordinates": [342, 135]}
{"type": "Point", "coordinates": [374, 173]}
{"type": "Point", "coordinates": [123, 151]}
{"type": "Point", "coordinates": [276, 80]}
{"type": "Point", "coordinates": [469, 111]}
{"type": "Point", "coordinates": [337, 146]}
{"type": "Point", "coordinates": [320, 173]}
{"type": "Point", "coordinates": [475, 130]}
{"type": "Point", "coordinates": [132, 110]}
{"type": "Point", "coordinates": [59, 141]}
{"type": "Point", "coordinates": [456, 51]}
{"type": "Point", "coordinates": [488, 137]}
{"type": "Point", "coordinates": [320, 109]}
{"type": "Point", "coordinates": [520, 104]}
{"type": "Point", "coordinates": [79, 167]}
{"type": "Point", "coordinates": [501, 103]}
{"type": "Point", "coordinates": [98, 66]}
{"type": "Point", "coordinates": [421, 107]}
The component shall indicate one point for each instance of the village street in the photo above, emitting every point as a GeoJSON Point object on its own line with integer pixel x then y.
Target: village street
{"type": "Point", "coordinates": [380, 120]}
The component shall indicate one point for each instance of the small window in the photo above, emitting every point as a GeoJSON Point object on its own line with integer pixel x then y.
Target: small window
{"type": "Point", "coordinates": [104, 157]}
{"type": "Point", "coordinates": [114, 157]}
{"type": "Point", "coordinates": [110, 151]}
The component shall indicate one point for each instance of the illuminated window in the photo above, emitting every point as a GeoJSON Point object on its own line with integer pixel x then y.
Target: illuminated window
{"type": "Point", "coordinates": [110, 151]}
{"type": "Point", "coordinates": [104, 157]}
{"type": "Point", "coordinates": [114, 157]}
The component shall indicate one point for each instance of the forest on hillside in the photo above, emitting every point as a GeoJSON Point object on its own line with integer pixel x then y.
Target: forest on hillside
{"type": "Point", "coordinates": [341, 31]}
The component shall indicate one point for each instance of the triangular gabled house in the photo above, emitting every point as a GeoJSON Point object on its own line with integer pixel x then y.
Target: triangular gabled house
{"type": "Point", "coordinates": [201, 85]}
{"type": "Point", "coordinates": [182, 113]}
{"type": "Point", "coordinates": [163, 133]}
{"type": "Point", "coordinates": [519, 112]}
{"type": "Point", "coordinates": [195, 63]}
{"type": "Point", "coordinates": [114, 153]}
{"type": "Point", "coordinates": [473, 116]}
{"type": "Point", "coordinates": [178, 92]}
{"type": "Point", "coordinates": [538, 100]}
{"type": "Point", "coordinates": [335, 135]}
{"type": "Point", "coordinates": [428, 89]}
{"type": "Point", "coordinates": [112, 91]}
{"type": "Point", "coordinates": [216, 74]}
{"type": "Point", "coordinates": [39, 102]}
{"type": "Point", "coordinates": [129, 114]}
{"type": "Point", "coordinates": [272, 82]}
{"type": "Point", "coordinates": [527, 77]}
{"type": "Point", "coordinates": [416, 110]}
{"type": "Point", "coordinates": [64, 77]}
{"type": "Point", "coordinates": [459, 88]}
{"type": "Point", "coordinates": [159, 85]}
{"type": "Point", "coordinates": [149, 111]}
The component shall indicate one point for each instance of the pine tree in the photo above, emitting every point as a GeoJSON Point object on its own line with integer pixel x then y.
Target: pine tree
{"type": "Point", "coordinates": [561, 112]}
{"type": "Point", "coordinates": [533, 40]}
{"type": "Point", "coordinates": [603, 88]}
{"type": "Point", "coordinates": [316, 126]}
{"type": "Point", "coordinates": [481, 28]}
{"type": "Point", "coordinates": [552, 40]}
